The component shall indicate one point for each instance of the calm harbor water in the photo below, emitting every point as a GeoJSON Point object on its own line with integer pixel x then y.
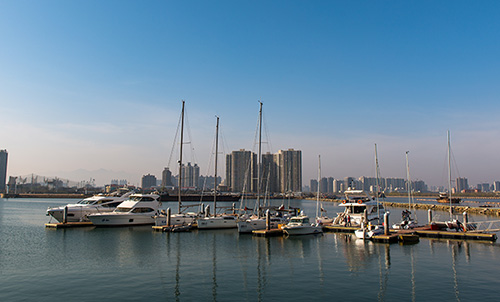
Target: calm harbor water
{"type": "Point", "coordinates": [137, 264]}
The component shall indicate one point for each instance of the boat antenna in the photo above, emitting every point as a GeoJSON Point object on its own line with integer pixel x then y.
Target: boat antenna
{"type": "Point", "coordinates": [180, 157]}
{"type": "Point", "coordinates": [216, 151]}
{"type": "Point", "coordinates": [259, 159]}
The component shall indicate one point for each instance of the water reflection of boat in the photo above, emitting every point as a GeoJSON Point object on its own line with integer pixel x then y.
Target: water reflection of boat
{"type": "Point", "coordinates": [138, 209]}
{"type": "Point", "coordinates": [99, 203]}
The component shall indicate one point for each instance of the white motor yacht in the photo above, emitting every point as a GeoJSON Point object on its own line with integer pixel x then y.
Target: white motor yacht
{"type": "Point", "coordinates": [300, 225]}
{"type": "Point", "coordinates": [99, 203]}
{"type": "Point", "coordinates": [139, 209]}
{"type": "Point", "coordinates": [355, 204]}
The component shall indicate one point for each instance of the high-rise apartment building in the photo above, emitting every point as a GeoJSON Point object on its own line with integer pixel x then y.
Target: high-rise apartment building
{"type": "Point", "coordinates": [462, 184]}
{"type": "Point", "coordinates": [190, 175]}
{"type": "Point", "coordinates": [280, 172]}
{"type": "Point", "coordinates": [269, 173]}
{"type": "Point", "coordinates": [314, 185]}
{"type": "Point", "coordinates": [241, 171]}
{"type": "Point", "coordinates": [323, 185]}
{"type": "Point", "coordinates": [166, 178]}
{"type": "Point", "coordinates": [3, 170]}
{"type": "Point", "coordinates": [290, 170]}
{"type": "Point", "coordinates": [496, 186]}
{"type": "Point", "coordinates": [148, 181]}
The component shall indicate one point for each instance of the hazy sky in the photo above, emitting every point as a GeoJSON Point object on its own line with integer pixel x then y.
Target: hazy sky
{"type": "Point", "coordinates": [98, 84]}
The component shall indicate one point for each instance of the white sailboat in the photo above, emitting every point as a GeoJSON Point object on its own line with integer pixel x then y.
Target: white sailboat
{"type": "Point", "coordinates": [257, 221]}
{"type": "Point", "coordinates": [452, 224]}
{"type": "Point", "coordinates": [407, 221]}
{"type": "Point", "coordinates": [369, 229]}
{"type": "Point", "coordinates": [320, 218]}
{"type": "Point", "coordinates": [222, 221]}
{"type": "Point", "coordinates": [180, 218]}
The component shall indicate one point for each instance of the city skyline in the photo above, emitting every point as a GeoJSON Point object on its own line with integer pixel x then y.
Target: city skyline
{"type": "Point", "coordinates": [90, 86]}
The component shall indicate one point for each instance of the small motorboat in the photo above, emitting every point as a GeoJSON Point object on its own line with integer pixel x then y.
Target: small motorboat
{"type": "Point", "coordinates": [300, 225]}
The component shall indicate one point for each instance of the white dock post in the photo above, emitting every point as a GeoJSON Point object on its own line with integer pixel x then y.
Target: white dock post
{"type": "Point", "coordinates": [386, 223]}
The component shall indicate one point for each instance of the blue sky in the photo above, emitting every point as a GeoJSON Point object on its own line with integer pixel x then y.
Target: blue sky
{"type": "Point", "coordinates": [98, 84]}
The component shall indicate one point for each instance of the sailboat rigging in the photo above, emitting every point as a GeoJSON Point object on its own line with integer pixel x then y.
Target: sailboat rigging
{"type": "Point", "coordinates": [223, 221]}
{"type": "Point", "coordinates": [256, 221]}
{"type": "Point", "coordinates": [407, 222]}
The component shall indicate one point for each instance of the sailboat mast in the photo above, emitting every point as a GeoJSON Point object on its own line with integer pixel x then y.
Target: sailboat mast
{"type": "Point", "coordinates": [260, 158]}
{"type": "Point", "coordinates": [408, 180]}
{"type": "Point", "coordinates": [377, 193]}
{"type": "Point", "coordinates": [180, 157]}
{"type": "Point", "coordinates": [449, 174]}
{"type": "Point", "coordinates": [319, 180]}
{"type": "Point", "coordinates": [216, 153]}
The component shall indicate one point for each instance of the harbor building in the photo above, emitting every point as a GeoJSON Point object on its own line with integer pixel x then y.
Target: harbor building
{"type": "Point", "coordinates": [148, 181]}
{"type": "Point", "coordinates": [3, 170]}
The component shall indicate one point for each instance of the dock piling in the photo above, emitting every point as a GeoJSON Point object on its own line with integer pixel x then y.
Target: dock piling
{"type": "Point", "coordinates": [169, 213]}
{"type": "Point", "coordinates": [268, 220]}
{"type": "Point", "coordinates": [65, 214]}
{"type": "Point", "coordinates": [429, 215]}
{"type": "Point", "coordinates": [386, 223]}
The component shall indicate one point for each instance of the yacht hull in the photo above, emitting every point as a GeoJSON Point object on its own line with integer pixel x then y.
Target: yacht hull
{"type": "Point", "coordinates": [302, 230]}
{"type": "Point", "coordinates": [225, 222]}
{"type": "Point", "coordinates": [121, 219]}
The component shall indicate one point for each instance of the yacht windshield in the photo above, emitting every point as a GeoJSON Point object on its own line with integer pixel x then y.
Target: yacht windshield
{"type": "Point", "coordinates": [86, 201]}
{"type": "Point", "coordinates": [123, 210]}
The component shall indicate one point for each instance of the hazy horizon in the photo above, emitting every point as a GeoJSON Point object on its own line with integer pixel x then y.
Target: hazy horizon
{"type": "Point", "coordinates": [98, 85]}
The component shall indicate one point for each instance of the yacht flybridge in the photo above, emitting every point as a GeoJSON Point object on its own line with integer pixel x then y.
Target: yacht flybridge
{"type": "Point", "coordinates": [356, 205]}
{"type": "Point", "coordinates": [139, 209]}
